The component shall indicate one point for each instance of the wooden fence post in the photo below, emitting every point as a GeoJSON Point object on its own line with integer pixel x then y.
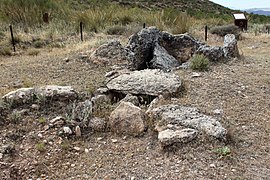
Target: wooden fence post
{"type": "Point", "coordinates": [81, 30]}
{"type": "Point", "coordinates": [206, 29]}
{"type": "Point", "coordinates": [12, 38]}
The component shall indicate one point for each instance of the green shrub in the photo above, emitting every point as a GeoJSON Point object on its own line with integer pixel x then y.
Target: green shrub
{"type": "Point", "coordinates": [38, 44]}
{"type": "Point", "coordinates": [223, 151]}
{"type": "Point", "coordinates": [226, 29]}
{"type": "Point", "coordinates": [199, 62]}
{"type": "Point", "coordinates": [116, 30]}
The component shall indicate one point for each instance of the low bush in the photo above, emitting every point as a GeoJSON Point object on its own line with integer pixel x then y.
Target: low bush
{"type": "Point", "coordinates": [226, 29]}
{"type": "Point", "coordinates": [199, 62]}
{"type": "Point", "coordinates": [5, 51]}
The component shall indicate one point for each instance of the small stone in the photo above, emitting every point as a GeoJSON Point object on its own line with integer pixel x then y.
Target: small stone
{"type": "Point", "coordinates": [86, 150]}
{"type": "Point", "coordinates": [77, 148]}
{"type": "Point", "coordinates": [132, 178]}
{"type": "Point", "coordinates": [195, 75]}
{"type": "Point", "coordinates": [78, 131]}
{"type": "Point", "coordinates": [233, 170]}
{"type": "Point", "coordinates": [39, 135]}
{"type": "Point", "coordinates": [114, 140]}
{"type": "Point", "coordinates": [218, 111]}
{"type": "Point", "coordinates": [1, 155]}
{"type": "Point", "coordinates": [212, 165]}
{"type": "Point", "coordinates": [35, 106]}
{"type": "Point", "coordinates": [99, 138]}
{"type": "Point", "coordinates": [73, 165]}
{"type": "Point", "coordinates": [67, 130]}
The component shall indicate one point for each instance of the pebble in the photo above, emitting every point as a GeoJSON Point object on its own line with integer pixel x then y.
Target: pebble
{"type": "Point", "coordinates": [39, 135]}
{"type": "Point", "coordinates": [1, 155]}
{"type": "Point", "coordinates": [99, 138]}
{"type": "Point", "coordinates": [78, 131]}
{"type": "Point", "coordinates": [195, 75]}
{"type": "Point", "coordinates": [212, 166]}
{"type": "Point", "coordinates": [114, 140]}
{"type": "Point", "coordinates": [86, 150]}
{"type": "Point", "coordinates": [73, 165]}
{"type": "Point", "coordinates": [77, 148]}
{"type": "Point", "coordinates": [67, 130]}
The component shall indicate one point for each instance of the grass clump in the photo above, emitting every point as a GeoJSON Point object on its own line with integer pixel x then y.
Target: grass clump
{"type": "Point", "coordinates": [5, 51]}
{"type": "Point", "coordinates": [33, 52]}
{"type": "Point", "coordinates": [199, 62]}
{"type": "Point", "coordinates": [223, 151]}
{"type": "Point", "coordinates": [226, 29]}
{"type": "Point", "coordinates": [41, 147]}
{"type": "Point", "coordinates": [116, 30]}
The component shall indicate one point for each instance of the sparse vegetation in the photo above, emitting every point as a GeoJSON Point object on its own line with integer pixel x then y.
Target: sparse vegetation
{"type": "Point", "coordinates": [33, 52]}
{"type": "Point", "coordinates": [199, 62]}
{"type": "Point", "coordinates": [227, 29]}
{"type": "Point", "coordinates": [223, 151]}
{"type": "Point", "coordinates": [5, 51]}
{"type": "Point", "coordinates": [116, 30]}
{"type": "Point", "coordinates": [41, 147]}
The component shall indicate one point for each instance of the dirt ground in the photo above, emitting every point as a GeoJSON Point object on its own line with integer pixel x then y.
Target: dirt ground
{"type": "Point", "coordinates": [240, 88]}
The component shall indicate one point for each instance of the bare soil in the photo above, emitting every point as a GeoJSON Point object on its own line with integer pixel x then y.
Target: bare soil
{"type": "Point", "coordinates": [240, 88]}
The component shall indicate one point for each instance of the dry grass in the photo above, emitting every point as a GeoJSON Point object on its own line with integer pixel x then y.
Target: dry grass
{"type": "Point", "coordinates": [239, 87]}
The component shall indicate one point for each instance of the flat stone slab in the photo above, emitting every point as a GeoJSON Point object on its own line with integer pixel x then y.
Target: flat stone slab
{"type": "Point", "coordinates": [188, 117]}
{"type": "Point", "coordinates": [146, 82]}
{"type": "Point", "coordinates": [168, 137]}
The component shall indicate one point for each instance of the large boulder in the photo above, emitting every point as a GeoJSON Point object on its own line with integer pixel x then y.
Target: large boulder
{"type": "Point", "coordinates": [142, 45]}
{"type": "Point", "coordinates": [181, 46]}
{"type": "Point", "coordinates": [110, 53]}
{"type": "Point", "coordinates": [127, 119]}
{"type": "Point", "coordinates": [146, 82]}
{"type": "Point", "coordinates": [190, 118]}
{"type": "Point", "coordinates": [19, 96]}
{"type": "Point", "coordinates": [168, 137]}
{"type": "Point", "coordinates": [162, 60]}
{"type": "Point", "coordinates": [230, 47]}
{"type": "Point", "coordinates": [213, 53]}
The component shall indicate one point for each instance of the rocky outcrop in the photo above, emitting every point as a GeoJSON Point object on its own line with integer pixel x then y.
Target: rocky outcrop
{"type": "Point", "coordinates": [190, 118]}
{"type": "Point", "coordinates": [127, 119]}
{"type": "Point", "coordinates": [132, 99]}
{"type": "Point", "coordinates": [168, 137]}
{"type": "Point", "coordinates": [110, 53]}
{"type": "Point", "coordinates": [146, 82]}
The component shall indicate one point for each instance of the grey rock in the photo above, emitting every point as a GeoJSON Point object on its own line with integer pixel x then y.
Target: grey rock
{"type": "Point", "coordinates": [146, 82]}
{"type": "Point", "coordinates": [130, 98]}
{"type": "Point", "coordinates": [22, 95]}
{"type": "Point", "coordinates": [51, 92]}
{"type": "Point", "coordinates": [230, 47]}
{"type": "Point", "coordinates": [7, 149]}
{"type": "Point", "coordinates": [127, 119]}
{"type": "Point", "coordinates": [214, 53]}
{"type": "Point", "coordinates": [67, 130]}
{"type": "Point", "coordinates": [181, 46]}
{"type": "Point", "coordinates": [190, 118]}
{"type": "Point", "coordinates": [54, 92]}
{"type": "Point", "coordinates": [110, 53]}
{"type": "Point", "coordinates": [168, 137]}
{"type": "Point", "coordinates": [162, 60]}
{"type": "Point", "coordinates": [141, 46]}
{"type": "Point", "coordinates": [97, 124]}
{"type": "Point", "coordinates": [81, 112]}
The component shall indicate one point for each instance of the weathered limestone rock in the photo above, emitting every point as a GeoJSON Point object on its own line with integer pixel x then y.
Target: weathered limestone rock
{"type": "Point", "coordinates": [162, 60]}
{"type": "Point", "coordinates": [190, 118]}
{"type": "Point", "coordinates": [213, 53]}
{"type": "Point", "coordinates": [146, 82]}
{"type": "Point", "coordinates": [19, 96]}
{"type": "Point", "coordinates": [81, 112]}
{"type": "Point", "coordinates": [181, 47]}
{"type": "Point", "coordinates": [97, 124]}
{"type": "Point", "coordinates": [168, 137]}
{"type": "Point", "coordinates": [63, 93]}
{"type": "Point", "coordinates": [142, 45]}
{"type": "Point", "coordinates": [230, 47]}
{"type": "Point", "coordinates": [132, 99]}
{"type": "Point", "coordinates": [127, 119]}
{"type": "Point", "coordinates": [111, 53]}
